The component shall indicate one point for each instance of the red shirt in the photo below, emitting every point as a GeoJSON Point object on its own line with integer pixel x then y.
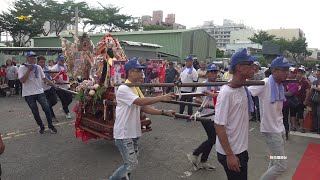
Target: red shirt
{"type": "Point", "coordinates": [302, 91]}
{"type": "Point", "coordinates": [2, 72]}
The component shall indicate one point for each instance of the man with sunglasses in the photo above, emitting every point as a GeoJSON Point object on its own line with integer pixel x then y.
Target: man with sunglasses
{"type": "Point", "coordinates": [127, 126]}
{"type": "Point", "coordinates": [272, 96]}
{"type": "Point", "coordinates": [234, 103]}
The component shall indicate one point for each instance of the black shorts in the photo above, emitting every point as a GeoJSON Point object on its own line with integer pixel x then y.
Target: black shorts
{"type": "Point", "coordinates": [11, 83]}
{"type": "Point", "coordinates": [297, 111]}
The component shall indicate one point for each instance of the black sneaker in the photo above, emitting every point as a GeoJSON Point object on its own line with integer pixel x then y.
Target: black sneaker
{"type": "Point", "coordinates": [53, 129]}
{"type": "Point", "coordinates": [42, 130]}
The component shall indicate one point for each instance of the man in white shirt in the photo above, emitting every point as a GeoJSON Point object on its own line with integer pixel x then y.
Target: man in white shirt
{"type": "Point", "coordinates": [63, 80]}
{"type": "Point", "coordinates": [31, 77]}
{"type": "Point", "coordinates": [205, 148]}
{"type": "Point", "coordinates": [231, 120]}
{"type": "Point", "coordinates": [127, 126]}
{"type": "Point", "coordinates": [49, 91]}
{"type": "Point", "coordinates": [188, 75]}
{"type": "Point", "coordinates": [271, 97]}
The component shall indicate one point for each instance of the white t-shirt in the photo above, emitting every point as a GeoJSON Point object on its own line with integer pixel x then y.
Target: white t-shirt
{"type": "Point", "coordinates": [57, 67]}
{"type": "Point", "coordinates": [201, 73]}
{"type": "Point", "coordinates": [210, 102]}
{"type": "Point", "coordinates": [32, 85]}
{"type": "Point", "coordinates": [270, 113]}
{"type": "Point", "coordinates": [188, 78]}
{"type": "Point", "coordinates": [127, 123]}
{"type": "Point", "coordinates": [232, 112]}
{"type": "Point", "coordinates": [12, 73]}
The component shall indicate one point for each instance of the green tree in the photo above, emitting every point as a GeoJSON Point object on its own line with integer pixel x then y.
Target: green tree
{"type": "Point", "coordinates": [296, 47]}
{"type": "Point", "coordinates": [261, 37]}
{"type": "Point", "coordinates": [20, 30]}
{"type": "Point", "coordinates": [219, 53]}
{"type": "Point", "coordinates": [108, 17]}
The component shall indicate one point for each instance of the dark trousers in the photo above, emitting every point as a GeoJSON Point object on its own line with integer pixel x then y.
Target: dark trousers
{"type": "Point", "coordinates": [52, 99]}
{"type": "Point", "coordinates": [187, 99]}
{"type": "Point", "coordinates": [32, 102]}
{"type": "Point", "coordinates": [316, 116]}
{"type": "Point", "coordinates": [65, 98]}
{"type": "Point", "coordinates": [257, 108]}
{"type": "Point", "coordinates": [285, 112]}
{"type": "Point", "coordinates": [232, 175]}
{"type": "Point", "coordinates": [169, 89]}
{"type": "Point", "coordinates": [206, 146]}
{"type": "Point", "coordinates": [18, 87]}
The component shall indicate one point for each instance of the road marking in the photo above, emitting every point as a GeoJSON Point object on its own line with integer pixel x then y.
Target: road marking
{"type": "Point", "coordinates": [31, 131]}
{"type": "Point", "coordinates": [311, 135]}
{"type": "Point", "coordinates": [186, 174]}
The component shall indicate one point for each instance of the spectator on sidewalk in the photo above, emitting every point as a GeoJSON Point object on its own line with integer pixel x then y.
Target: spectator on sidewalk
{"type": "Point", "coordinates": [316, 106]}
{"type": "Point", "coordinates": [171, 76]}
{"type": "Point", "coordinates": [31, 76]}
{"type": "Point", "coordinates": [11, 75]}
{"type": "Point", "coordinates": [202, 72]}
{"type": "Point", "coordinates": [2, 74]}
{"type": "Point", "coordinates": [298, 112]}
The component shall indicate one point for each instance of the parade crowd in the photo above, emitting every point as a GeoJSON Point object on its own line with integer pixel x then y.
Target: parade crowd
{"type": "Point", "coordinates": [279, 105]}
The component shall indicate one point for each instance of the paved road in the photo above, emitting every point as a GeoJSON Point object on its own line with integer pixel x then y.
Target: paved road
{"type": "Point", "coordinates": [31, 156]}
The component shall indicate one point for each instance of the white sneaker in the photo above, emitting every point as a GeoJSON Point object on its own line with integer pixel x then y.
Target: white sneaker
{"type": "Point", "coordinates": [206, 166]}
{"type": "Point", "coordinates": [68, 116]}
{"type": "Point", "coordinates": [193, 160]}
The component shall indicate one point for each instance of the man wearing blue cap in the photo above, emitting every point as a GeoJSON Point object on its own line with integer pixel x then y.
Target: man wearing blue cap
{"type": "Point", "coordinates": [188, 75]}
{"type": "Point", "coordinates": [271, 97]}
{"type": "Point", "coordinates": [31, 77]}
{"type": "Point", "coordinates": [234, 103]}
{"type": "Point", "coordinates": [205, 148]}
{"type": "Point", "coordinates": [127, 126]}
{"type": "Point", "coordinates": [63, 80]}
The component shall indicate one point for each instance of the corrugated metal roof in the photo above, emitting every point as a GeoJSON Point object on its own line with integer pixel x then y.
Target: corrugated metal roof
{"type": "Point", "coordinates": [128, 33]}
{"type": "Point", "coordinates": [134, 43]}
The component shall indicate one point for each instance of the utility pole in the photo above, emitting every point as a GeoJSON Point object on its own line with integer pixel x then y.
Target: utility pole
{"type": "Point", "coordinates": [76, 21]}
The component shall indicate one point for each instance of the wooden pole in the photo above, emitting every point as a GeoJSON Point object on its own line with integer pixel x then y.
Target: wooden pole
{"type": "Point", "coordinates": [186, 103]}
{"type": "Point", "coordinates": [247, 83]}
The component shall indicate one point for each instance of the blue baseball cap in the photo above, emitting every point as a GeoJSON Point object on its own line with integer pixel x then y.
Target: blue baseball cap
{"type": "Point", "coordinates": [188, 58]}
{"type": "Point", "coordinates": [280, 62]}
{"type": "Point", "coordinates": [212, 67]}
{"type": "Point", "coordinates": [31, 54]}
{"type": "Point", "coordinates": [60, 57]}
{"type": "Point", "coordinates": [242, 56]}
{"type": "Point", "coordinates": [133, 64]}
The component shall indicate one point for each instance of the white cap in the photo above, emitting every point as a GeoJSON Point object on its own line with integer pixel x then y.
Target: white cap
{"type": "Point", "coordinates": [302, 68]}
{"type": "Point", "coordinates": [292, 69]}
{"type": "Point", "coordinates": [257, 63]}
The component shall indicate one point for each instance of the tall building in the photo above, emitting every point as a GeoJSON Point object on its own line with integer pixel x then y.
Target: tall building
{"type": "Point", "coordinates": [287, 34]}
{"type": "Point", "coordinates": [157, 17]}
{"type": "Point", "coordinates": [170, 19]}
{"type": "Point", "coordinates": [222, 33]}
